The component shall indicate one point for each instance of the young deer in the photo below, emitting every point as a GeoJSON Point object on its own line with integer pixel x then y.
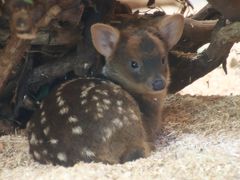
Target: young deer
{"type": "Point", "coordinates": [137, 59]}
{"type": "Point", "coordinates": [92, 119]}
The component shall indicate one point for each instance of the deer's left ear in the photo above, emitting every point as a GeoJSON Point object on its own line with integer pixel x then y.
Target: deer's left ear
{"type": "Point", "coordinates": [104, 38]}
{"type": "Point", "coordinates": [171, 29]}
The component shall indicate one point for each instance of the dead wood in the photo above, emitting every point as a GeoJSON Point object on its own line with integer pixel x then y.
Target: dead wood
{"type": "Point", "coordinates": [144, 3]}
{"type": "Point", "coordinates": [195, 34]}
{"type": "Point", "coordinates": [11, 55]}
{"type": "Point", "coordinates": [229, 9]}
{"type": "Point", "coordinates": [186, 68]}
{"type": "Point", "coordinates": [16, 47]}
{"type": "Point", "coordinates": [206, 13]}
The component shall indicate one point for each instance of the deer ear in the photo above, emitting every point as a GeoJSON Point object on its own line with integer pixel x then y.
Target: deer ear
{"type": "Point", "coordinates": [171, 29]}
{"type": "Point", "coordinates": [104, 38]}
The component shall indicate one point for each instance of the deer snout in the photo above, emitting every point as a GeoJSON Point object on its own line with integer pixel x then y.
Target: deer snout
{"type": "Point", "coordinates": [158, 84]}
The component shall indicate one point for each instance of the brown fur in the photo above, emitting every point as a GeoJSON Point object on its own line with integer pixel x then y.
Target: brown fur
{"type": "Point", "coordinates": [88, 120]}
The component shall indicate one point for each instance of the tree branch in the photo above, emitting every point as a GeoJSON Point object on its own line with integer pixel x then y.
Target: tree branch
{"type": "Point", "coordinates": [195, 34]}
{"type": "Point", "coordinates": [186, 68]}
{"type": "Point", "coordinates": [15, 48]}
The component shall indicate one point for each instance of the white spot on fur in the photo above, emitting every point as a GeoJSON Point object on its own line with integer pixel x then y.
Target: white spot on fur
{"type": "Point", "coordinates": [61, 87]}
{"type": "Point", "coordinates": [62, 156]}
{"type": "Point", "coordinates": [36, 155]}
{"type": "Point", "coordinates": [95, 98]}
{"type": "Point", "coordinates": [88, 153]}
{"type": "Point", "coordinates": [116, 90]}
{"type": "Point", "coordinates": [107, 101]}
{"type": "Point", "coordinates": [73, 119]}
{"type": "Point", "coordinates": [59, 98]}
{"type": "Point", "coordinates": [46, 131]}
{"type": "Point", "coordinates": [98, 91]}
{"type": "Point", "coordinates": [98, 104]}
{"type": "Point", "coordinates": [77, 130]}
{"type": "Point", "coordinates": [44, 152]}
{"type": "Point", "coordinates": [65, 84]}
{"type": "Point", "coordinates": [58, 93]}
{"type": "Point", "coordinates": [84, 101]}
{"type": "Point", "coordinates": [107, 134]}
{"type": "Point", "coordinates": [42, 113]}
{"type": "Point", "coordinates": [102, 92]}
{"type": "Point", "coordinates": [125, 118]}
{"type": "Point", "coordinates": [134, 116]}
{"type": "Point", "coordinates": [120, 110]}
{"type": "Point", "coordinates": [53, 141]}
{"type": "Point", "coordinates": [41, 105]}
{"type": "Point", "coordinates": [99, 115]}
{"type": "Point", "coordinates": [105, 107]}
{"type": "Point", "coordinates": [83, 87]}
{"type": "Point", "coordinates": [84, 93]}
{"type": "Point", "coordinates": [86, 110]}
{"type": "Point", "coordinates": [43, 120]}
{"type": "Point", "coordinates": [92, 84]}
{"type": "Point", "coordinates": [105, 92]}
{"type": "Point", "coordinates": [28, 125]}
{"type": "Point", "coordinates": [64, 110]}
{"type": "Point", "coordinates": [131, 111]}
{"type": "Point", "coordinates": [33, 139]}
{"type": "Point", "coordinates": [85, 65]}
{"type": "Point", "coordinates": [104, 72]}
{"type": "Point", "coordinates": [61, 103]}
{"type": "Point", "coordinates": [117, 122]}
{"type": "Point", "coordinates": [100, 110]}
{"type": "Point", "coordinates": [119, 102]}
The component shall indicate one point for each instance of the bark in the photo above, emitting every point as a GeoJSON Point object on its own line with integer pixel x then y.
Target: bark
{"type": "Point", "coordinates": [229, 9]}
{"type": "Point", "coordinates": [10, 57]}
{"type": "Point", "coordinates": [186, 68]}
{"type": "Point", "coordinates": [195, 34]}
{"type": "Point", "coordinates": [16, 48]}
{"type": "Point", "coordinates": [206, 13]}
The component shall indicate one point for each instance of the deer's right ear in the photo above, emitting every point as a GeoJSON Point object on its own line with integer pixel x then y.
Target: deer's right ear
{"type": "Point", "coordinates": [104, 38]}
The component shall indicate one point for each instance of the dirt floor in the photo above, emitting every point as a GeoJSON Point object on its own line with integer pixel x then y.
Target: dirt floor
{"type": "Point", "coordinates": [201, 139]}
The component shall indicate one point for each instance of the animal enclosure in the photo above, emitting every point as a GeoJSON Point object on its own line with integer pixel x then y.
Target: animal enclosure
{"type": "Point", "coordinates": [41, 45]}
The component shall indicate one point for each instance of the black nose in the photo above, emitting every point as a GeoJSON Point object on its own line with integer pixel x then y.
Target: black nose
{"type": "Point", "coordinates": [158, 85]}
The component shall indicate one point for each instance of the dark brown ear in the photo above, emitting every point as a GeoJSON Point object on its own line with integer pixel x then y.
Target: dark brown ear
{"type": "Point", "coordinates": [104, 38]}
{"type": "Point", "coordinates": [171, 28]}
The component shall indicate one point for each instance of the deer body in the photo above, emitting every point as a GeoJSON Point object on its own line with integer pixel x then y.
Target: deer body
{"type": "Point", "coordinates": [96, 120]}
{"type": "Point", "coordinates": [87, 120]}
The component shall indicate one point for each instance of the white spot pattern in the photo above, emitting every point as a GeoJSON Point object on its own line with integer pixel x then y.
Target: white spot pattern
{"type": "Point", "coordinates": [62, 156]}
{"type": "Point", "coordinates": [77, 130]}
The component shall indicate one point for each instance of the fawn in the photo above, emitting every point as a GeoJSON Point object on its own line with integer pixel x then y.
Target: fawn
{"type": "Point", "coordinates": [137, 59]}
{"type": "Point", "coordinates": [93, 119]}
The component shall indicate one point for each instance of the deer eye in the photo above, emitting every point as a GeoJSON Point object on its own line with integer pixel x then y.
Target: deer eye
{"type": "Point", "coordinates": [134, 65]}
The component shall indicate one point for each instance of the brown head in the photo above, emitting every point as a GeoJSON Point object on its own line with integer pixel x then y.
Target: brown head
{"type": "Point", "coordinates": [137, 57]}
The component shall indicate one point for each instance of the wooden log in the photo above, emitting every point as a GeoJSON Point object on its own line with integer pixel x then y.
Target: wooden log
{"type": "Point", "coordinates": [186, 68]}
{"type": "Point", "coordinates": [15, 48]}
{"type": "Point", "coordinates": [229, 9]}
{"type": "Point", "coordinates": [143, 3]}
{"type": "Point", "coordinates": [206, 13]}
{"type": "Point", "coordinates": [195, 34]}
